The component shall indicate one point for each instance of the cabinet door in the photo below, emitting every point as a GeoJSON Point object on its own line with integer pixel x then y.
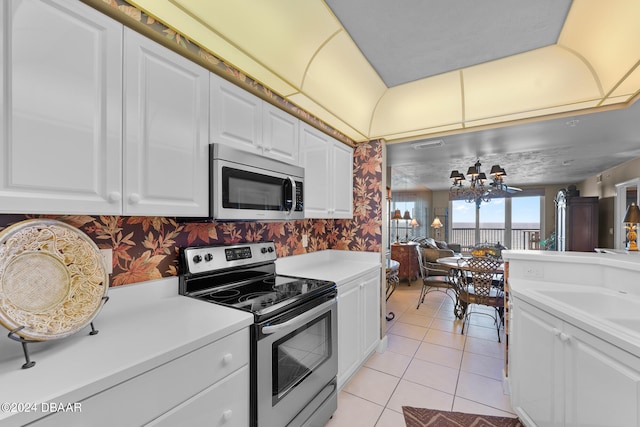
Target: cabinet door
{"type": "Point", "coordinates": [281, 134]}
{"type": "Point", "coordinates": [535, 365]}
{"type": "Point", "coordinates": [602, 382]}
{"type": "Point", "coordinates": [370, 300]}
{"type": "Point", "coordinates": [316, 149]}
{"type": "Point", "coordinates": [61, 108]}
{"type": "Point", "coordinates": [582, 224]}
{"type": "Point", "coordinates": [166, 131]}
{"type": "Point", "coordinates": [224, 404]}
{"type": "Point", "coordinates": [348, 331]}
{"type": "Point", "coordinates": [236, 116]}
{"type": "Point", "coordinates": [342, 181]}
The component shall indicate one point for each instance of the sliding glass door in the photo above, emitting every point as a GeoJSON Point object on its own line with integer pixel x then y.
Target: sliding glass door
{"type": "Point", "coordinates": [514, 222]}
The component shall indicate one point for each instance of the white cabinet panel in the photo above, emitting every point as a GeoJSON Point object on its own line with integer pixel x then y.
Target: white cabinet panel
{"type": "Point", "coordinates": [561, 375]}
{"type": "Point", "coordinates": [370, 297]}
{"type": "Point", "coordinates": [358, 323]}
{"type": "Point", "coordinates": [144, 398]}
{"type": "Point", "coordinates": [246, 122]}
{"type": "Point", "coordinates": [315, 148]}
{"type": "Point", "coordinates": [280, 134]}
{"type": "Point", "coordinates": [166, 131]}
{"type": "Point", "coordinates": [536, 365]}
{"type": "Point", "coordinates": [224, 404]}
{"type": "Point", "coordinates": [328, 166]}
{"type": "Point", "coordinates": [342, 181]}
{"type": "Point", "coordinates": [236, 116]}
{"type": "Point", "coordinates": [61, 108]}
{"type": "Point", "coordinates": [348, 331]}
{"type": "Point", "coordinates": [602, 382]}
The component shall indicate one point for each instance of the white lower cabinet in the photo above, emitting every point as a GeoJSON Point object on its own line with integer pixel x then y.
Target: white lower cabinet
{"type": "Point", "coordinates": [561, 375]}
{"type": "Point", "coordinates": [358, 323]}
{"type": "Point", "coordinates": [231, 407]}
{"type": "Point", "coordinates": [210, 383]}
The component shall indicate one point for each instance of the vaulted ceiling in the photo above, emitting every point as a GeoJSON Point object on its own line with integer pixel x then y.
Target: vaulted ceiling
{"type": "Point", "coordinates": [421, 69]}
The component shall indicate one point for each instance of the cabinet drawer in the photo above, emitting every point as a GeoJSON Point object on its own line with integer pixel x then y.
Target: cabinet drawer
{"type": "Point", "coordinates": [148, 395]}
{"type": "Point", "coordinates": [226, 403]}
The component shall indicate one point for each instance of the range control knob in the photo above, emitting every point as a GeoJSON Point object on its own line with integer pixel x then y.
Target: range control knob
{"type": "Point", "coordinates": [197, 258]}
{"type": "Point", "coordinates": [263, 250]}
{"type": "Point", "coordinates": [208, 257]}
{"type": "Point", "coordinates": [270, 249]}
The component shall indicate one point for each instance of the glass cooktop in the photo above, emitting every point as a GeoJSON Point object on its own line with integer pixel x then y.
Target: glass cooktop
{"type": "Point", "coordinates": [267, 294]}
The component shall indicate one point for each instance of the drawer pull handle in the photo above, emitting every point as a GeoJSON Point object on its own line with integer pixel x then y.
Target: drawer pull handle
{"type": "Point", "coordinates": [226, 415]}
{"type": "Point", "coordinates": [227, 359]}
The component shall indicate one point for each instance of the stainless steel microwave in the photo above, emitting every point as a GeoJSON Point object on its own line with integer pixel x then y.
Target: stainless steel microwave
{"type": "Point", "coordinates": [247, 186]}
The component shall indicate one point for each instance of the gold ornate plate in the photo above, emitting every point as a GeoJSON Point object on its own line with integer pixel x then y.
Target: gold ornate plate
{"type": "Point", "coordinates": [52, 279]}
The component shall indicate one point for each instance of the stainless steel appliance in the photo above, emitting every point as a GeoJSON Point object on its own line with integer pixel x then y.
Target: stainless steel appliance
{"type": "Point", "coordinates": [294, 355]}
{"type": "Point", "coordinates": [246, 186]}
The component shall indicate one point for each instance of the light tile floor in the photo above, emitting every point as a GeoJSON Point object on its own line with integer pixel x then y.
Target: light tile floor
{"type": "Point", "coordinates": [428, 364]}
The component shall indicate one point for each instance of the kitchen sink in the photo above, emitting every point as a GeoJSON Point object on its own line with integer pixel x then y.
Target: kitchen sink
{"type": "Point", "coordinates": [601, 303]}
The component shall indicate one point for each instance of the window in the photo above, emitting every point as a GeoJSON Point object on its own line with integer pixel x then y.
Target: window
{"type": "Point", "coordinates": [515, 222]}
{"type": "Point", "coordinates": [401, 227]}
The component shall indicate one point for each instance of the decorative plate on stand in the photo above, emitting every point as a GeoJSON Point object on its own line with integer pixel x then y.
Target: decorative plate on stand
{"type": "Point", "coordinates": [52, 279]}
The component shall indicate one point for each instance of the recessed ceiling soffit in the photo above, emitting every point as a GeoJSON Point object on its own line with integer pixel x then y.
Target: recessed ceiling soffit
{"type": "Point", "coordinates": [573, 56]}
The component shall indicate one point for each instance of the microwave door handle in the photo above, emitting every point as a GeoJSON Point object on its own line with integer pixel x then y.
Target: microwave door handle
{"type": "Point", "coordinates": [298, 320]}
{"type": "Point", "coordinates": [293, 195]}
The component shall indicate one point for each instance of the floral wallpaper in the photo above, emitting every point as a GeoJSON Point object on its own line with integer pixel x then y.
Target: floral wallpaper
{"type": "Point", "coordinates": [146, 248]}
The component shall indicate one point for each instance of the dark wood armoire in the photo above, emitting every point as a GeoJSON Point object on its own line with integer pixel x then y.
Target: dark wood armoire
{"type": "Point", "coordinates": [582, 224]}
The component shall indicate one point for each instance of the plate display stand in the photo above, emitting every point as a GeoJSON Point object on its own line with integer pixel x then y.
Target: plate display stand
{"type": "Point", "coordinates": [28, 362]}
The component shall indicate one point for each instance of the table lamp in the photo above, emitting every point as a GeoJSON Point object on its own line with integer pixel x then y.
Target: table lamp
{"type": "Point", "coordinates": [414, 223]}
{"type": "Point", "coordinates": [631, 218]}
{"type": "Point", "coordinates": [396, 216]}
{"type": "Point", "coordinates": [436, 224]}
{"type": "Point", "coordinates": [406, 216]}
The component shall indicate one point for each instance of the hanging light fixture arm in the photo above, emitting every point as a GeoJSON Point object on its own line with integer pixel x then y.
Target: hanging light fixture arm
{"type": "Point", "coordinates": [477, 191]}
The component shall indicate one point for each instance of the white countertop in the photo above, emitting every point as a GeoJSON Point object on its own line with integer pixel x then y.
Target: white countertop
{"type": "Point", "coordinates": [141, 327]}
{"type": "Point", "coordinates": [599, 293]}
{"type": "Point", "coordinates": [619, 272]}
{"type": "Point", "coordinates": [335, 265]}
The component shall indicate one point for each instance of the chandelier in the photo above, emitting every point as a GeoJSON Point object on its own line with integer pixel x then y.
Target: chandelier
{"type": "Point", "coordinates": [480, 188]}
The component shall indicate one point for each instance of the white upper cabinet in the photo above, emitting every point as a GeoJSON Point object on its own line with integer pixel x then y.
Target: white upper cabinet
{"type": "Point", "coordinates": [280, 134]}
{"type": "Point", "coordinates": [244, 121]}
{"type": "Point", "coordinates": [328, 169]}
{"type": "Point", "coordinates": [236, 116]}
{"type": "Point", "coordinates": [61, 109]}
{"type": "Point", "coordinates": [342, 172]}
{"type": "Point", "coordinates": [166, 139]}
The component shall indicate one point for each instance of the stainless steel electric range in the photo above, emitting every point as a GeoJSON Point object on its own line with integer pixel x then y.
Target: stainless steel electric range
{"type": "Point", "coordinates": [294, 355]}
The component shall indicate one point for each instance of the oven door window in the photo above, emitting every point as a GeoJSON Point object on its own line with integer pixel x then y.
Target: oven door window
{"type": "Point", "coordinates": [250, 190]}
{"type": "Point", "coordinates": [298, 354]}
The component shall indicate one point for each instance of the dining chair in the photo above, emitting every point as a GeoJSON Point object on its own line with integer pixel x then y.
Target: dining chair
{"type": "Point", "coordinates": [477, 286]}
{"type": "Point", "coordinates": [433, 279]}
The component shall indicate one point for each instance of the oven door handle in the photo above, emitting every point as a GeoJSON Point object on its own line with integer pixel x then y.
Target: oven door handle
{"type": "Point", "coordinates": [298, 320]}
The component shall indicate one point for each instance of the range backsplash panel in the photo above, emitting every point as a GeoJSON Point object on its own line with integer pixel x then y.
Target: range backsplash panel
{"type": "Point", "coordinates": [146, 248]}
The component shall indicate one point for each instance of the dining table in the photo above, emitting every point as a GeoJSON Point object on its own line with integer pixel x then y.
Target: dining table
{"type": "Point", "coordinates": [458, 266]}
